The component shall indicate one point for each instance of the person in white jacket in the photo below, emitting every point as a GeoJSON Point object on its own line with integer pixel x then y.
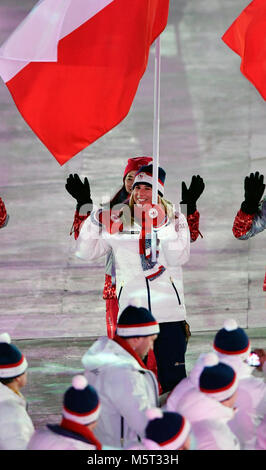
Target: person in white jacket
{"type": "Point", "coordinates": [125, 386]}
{"type": "Point", "coordinates": [16, 427]}
{"type": "Point", "coordinates": [209, 406]}
{"type": "Point", "coordinates": [232, 345]}
{"type": "Point", "coordinates": [81, 409]}
{"type": "Point", "coordinates": [157, 283]}
{"type": "Point", "coordinates": [261, 429]}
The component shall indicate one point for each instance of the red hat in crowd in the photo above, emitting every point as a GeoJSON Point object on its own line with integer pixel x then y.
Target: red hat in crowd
{"type": "Point", "coordinates": [134, 164]}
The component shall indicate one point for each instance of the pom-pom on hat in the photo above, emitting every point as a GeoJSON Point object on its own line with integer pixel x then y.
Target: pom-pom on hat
{"type": "Point", "coordinates": [144, 176]}
{"type": "Point", "coordinates": [231, 340]}
{"type": "Point", "coordinates": [136, 321]}
{"type": "Point", "coordinates": [12, 361]}
{"type": "Point", "coordinates": [134, 164]}
{"type": "Point", "coordinates": [168, 429]}
{"type": "Point", "coordinates": [217, 380]}
{"type": "Point", "coordinates": [81, 402]}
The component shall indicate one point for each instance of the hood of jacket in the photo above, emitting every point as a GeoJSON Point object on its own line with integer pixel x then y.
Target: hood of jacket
{"type": "Point", "coordinates": [105, 353]}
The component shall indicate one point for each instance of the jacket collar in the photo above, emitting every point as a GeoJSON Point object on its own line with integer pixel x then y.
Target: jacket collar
{"type": "Point", "coordinates": [76, 431]}
{"type": "Point", "coordinates": [6, 393]}
{"type": "Point", "coordinates": [107, 352]}
{"type": "Point", "coordinates": [124, 344]}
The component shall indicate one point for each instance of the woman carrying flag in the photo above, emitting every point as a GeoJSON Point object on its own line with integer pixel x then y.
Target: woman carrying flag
{"type": "Point", "coordinates": [157, 285]}
{"type": "Point", "coordinates": [81, 192]}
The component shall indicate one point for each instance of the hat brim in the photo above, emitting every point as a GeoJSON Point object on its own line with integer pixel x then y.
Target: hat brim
{"type": "Point", "coordinates": [132, 331]}
{"type": "Point", "coordinates": [13, 370]}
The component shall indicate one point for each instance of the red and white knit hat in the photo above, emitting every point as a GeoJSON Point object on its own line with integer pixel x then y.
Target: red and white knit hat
{"type": "Point", "coordinates": [217, 380]}
{"type": "Point", "coordinates": [231, 340]}
{"type": "Point", "coordinates": [167, 429]}
{"type": "Point", "coordinates": [134, 164]}
{"type": "Point", "coordinates": [144, 176]}
{"type": "Point", "coordinates": [12, 361]}
{"type": "Point", "coordinates": [136, 321]}
{"type": "Point", "coordinates": [81, 402]}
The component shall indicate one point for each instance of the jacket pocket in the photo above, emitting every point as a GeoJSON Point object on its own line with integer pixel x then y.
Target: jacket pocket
{"type": "Point", "coordinates": [175, 289]}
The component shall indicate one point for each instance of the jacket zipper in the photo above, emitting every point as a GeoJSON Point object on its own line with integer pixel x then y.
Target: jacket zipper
{"type": "Point", "coordinates": [122, 432]}
{"type": "Point", "coordinates": [178, 298]}
{"type": "Point", "coordinates": [120, 290]}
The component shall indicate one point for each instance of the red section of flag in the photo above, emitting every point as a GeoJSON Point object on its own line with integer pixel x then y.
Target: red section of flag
{"type": "Point", "coordinates": [89, 90]}
{"type": "Point", "coordinates": [247, 37]}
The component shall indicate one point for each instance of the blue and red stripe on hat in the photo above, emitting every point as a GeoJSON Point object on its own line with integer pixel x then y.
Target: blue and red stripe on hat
{"type": "Point", "coordinates": [85, 417]}
{"type": "Point", "coordinates": [138, 329]}
{"type": "Point", "coordinates": [12, 369]}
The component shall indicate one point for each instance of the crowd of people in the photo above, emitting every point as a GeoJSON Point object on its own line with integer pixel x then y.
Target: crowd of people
{"type": "Point", "coordinates": [135, 392]}
{"type": "Point", "coordinates": [116, 404]}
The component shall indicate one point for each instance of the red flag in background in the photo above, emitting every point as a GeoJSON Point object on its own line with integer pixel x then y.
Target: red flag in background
{"type": "Point", "coordinates": [247, 37]}
{"type": "Point", "coordinates": [74, 98]}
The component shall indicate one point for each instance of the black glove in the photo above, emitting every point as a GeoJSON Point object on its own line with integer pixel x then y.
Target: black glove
{"type": "Point", "coordinates": [78, 190]}
{"type": "Point", "coordinates": [191, 195]}
{"type": "Point", "coordinates": [254, 189]}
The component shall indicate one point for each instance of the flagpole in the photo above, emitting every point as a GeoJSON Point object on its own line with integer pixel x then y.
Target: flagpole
{"type": "Point", "coordinates": [156, 132]}
{"type": "Point", "coordinates": [156, 118]}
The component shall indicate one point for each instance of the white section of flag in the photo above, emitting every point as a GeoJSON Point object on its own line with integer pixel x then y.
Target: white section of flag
{"type": "Point", "coordinates": [37, 36]}
{"type": "Point", "coordinates": [79, 12]}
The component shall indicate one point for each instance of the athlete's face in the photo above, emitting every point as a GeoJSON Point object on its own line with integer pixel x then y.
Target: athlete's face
{"type": "Point", "coordinates": [142, 194]}
{"type": "Point", "coordinates": [145, 344]}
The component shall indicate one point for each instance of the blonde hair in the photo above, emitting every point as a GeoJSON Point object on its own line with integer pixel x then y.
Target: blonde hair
{"type": "Point", "coordinates": [127, 216]}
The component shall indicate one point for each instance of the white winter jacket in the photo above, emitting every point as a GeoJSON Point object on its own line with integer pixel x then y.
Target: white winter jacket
{"type": "Point", "coordinates": [16, 427]}
{"type": "Point", "coordinates": [163, 295]}
{"type": "Point", "coordinates": [250, 402]}
{"type": "Point", "coordinates": [261, 430]}
{"type": "Point", "coordinates": [209, 420]}
{"type": "Point", "coordinates": [47, 439]}
{"type": "Point", "coordinates": [126, 391]}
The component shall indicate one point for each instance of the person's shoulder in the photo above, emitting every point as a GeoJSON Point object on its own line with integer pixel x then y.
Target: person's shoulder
{"type": "Point", "coordinates": [252, 385]}
{"type": "Point", "coordinates": [40, 434]}
{"type": "Point", "coordinates": [12, 411]}
{"type": "Point", "coordinates": [108, 357]}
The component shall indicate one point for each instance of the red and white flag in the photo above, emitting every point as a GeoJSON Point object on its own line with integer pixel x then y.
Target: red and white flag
{"type": "Point", "coordinates": [73, 66]}
{"type": "Point", "coordinates": [247, 37]}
